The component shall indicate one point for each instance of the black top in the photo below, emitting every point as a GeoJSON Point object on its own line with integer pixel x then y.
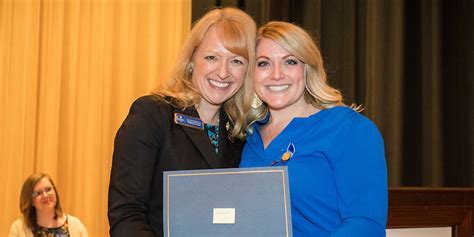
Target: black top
{"type": "Point", "coordinates": [61, 231]}
{"type": "Point", "coordinates": [148, 143]}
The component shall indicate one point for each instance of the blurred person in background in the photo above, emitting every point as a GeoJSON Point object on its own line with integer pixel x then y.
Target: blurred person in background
{"type": "Point", "coordinates": [42, 212]}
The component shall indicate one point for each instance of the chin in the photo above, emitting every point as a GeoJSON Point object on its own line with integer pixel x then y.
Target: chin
{"type": "Point", "coordinates": [219, 102]}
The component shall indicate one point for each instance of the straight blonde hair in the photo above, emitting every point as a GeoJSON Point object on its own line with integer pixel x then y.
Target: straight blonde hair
{"type": "Point", "coordinates": [237, 31]}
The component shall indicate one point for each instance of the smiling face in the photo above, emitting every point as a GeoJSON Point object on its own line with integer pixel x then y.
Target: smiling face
{"type": "Point", "coordinates": [217, 72]}
{"type": "Point", "coordinates": [278, 77]}
{"type": "Point", "coordinates": [44, 196]}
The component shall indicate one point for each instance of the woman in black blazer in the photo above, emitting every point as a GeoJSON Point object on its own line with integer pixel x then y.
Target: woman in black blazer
{"type": "Point", "coordinates": [195, 120]}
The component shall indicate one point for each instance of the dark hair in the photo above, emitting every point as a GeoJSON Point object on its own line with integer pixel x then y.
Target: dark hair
{"type": "Point", "coordinates": [26, 199]}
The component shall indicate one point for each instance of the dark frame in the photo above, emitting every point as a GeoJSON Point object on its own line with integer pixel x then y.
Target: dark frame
{"type": "Point", "coordinates": [428, 207]}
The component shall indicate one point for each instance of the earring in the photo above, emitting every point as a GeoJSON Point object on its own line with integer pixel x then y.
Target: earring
{"type": "Point", "coordinates": [256, 101]}
{"type": "Point", "coordinates": [191, 69]}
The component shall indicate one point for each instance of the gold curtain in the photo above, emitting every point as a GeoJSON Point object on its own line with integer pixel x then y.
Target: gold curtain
{"type": "Point", "coordinates": [69, 70]}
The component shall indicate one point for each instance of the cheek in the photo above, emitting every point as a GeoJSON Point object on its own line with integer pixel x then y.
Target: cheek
{"type": "Point", "coordinates": [258, 77]}
{"type": "Point", "coordinates": [301, 82]}
{"type": "Point", "coordinates": [239, 74]}
{"type": "Point", "coordinates": [37, 203]}
{"type": "Point", "coordinates": [201, 67]}
{"type": "Point", "coordinates": [298, 74]}
{"type": "Point", "coordinates": [258, 86]}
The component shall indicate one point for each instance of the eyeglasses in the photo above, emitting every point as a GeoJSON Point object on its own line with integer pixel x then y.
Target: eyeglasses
{"type": "Point", "coordinates": [47, 190]}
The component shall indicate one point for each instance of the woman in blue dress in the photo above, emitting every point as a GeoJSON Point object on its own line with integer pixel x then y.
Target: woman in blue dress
{"type": "Point", "coordinates": [335, 155]}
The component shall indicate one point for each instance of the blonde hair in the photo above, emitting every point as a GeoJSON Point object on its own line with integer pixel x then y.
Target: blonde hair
{"type": "Point", "coordinates": [26, 199]}
{"type": "Point", "coordinates": [237, 31]}
{"type": "Point", "coordinates": [299, 43]}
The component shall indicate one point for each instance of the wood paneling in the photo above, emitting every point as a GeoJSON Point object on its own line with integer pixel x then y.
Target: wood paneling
{"type": "Point", "coordinates": [427, 207]}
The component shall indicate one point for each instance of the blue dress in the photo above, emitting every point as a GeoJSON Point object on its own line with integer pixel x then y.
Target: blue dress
{"type": "Point", "coordinates": [337, 172]}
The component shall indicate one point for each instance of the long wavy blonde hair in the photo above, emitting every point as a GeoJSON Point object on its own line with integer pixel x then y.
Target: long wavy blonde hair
{"type": "Point", "coordinates": [299, 43]}
{"type": "Point", "coordinates": [237, 31]}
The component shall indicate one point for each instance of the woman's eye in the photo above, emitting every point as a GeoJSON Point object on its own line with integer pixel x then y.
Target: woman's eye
{"type": "Point", "coordinates": [262, 64]}
{"type": "Point", "coordinates": [210, 58]}
{"type": "Point", "coordinates": [237, 61]}
{"type": "Point", "coordinates": [291, 62]}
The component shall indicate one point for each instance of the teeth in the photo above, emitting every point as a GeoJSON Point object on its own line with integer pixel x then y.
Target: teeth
{"type": "Point", "coordinates": [219, 84]}
{"type": "Point", "coordinates": [278, 88]}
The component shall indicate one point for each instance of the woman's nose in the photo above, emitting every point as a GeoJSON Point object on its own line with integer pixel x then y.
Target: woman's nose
{"type": "Point", "coordinates": [277, 73]}
{"type": "Point", "coordinates": [223, 71]}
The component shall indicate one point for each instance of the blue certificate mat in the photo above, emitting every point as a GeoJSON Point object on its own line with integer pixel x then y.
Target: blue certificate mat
{"type": "Point", "coordinates": [227, 202]}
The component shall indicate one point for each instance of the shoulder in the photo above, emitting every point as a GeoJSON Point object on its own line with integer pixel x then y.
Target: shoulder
{"type": "Point", "coordinates": [346, 116]}
{"type": "Point", "coordinates": [343, 124]}
{"type": "Point", "coordinates": [18, 222]}
{"type": "Point", "coordinates": [73, 219]}
{"type": "Point", "coordinates": [150, 102]}
{"type": "Point", "coordinates": [360, 130]}
{"type": "Point", "coordinates": [18, 228]}
{"type": "Point", "coordinates": [354, 137]}
{"type": "Point", "coordinates": [360, 124]}
{"type": "Point", "coordinates": [150, 108]}
{"type": "Point", "coordinates": [76, 225]}
{"type": "Point", "coordinates": [341, 112]}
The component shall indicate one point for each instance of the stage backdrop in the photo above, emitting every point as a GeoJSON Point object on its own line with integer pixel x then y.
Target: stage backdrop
{"type": "Point", "coordinates": [410, 63]}
{"type": "Point", "coordinates": [69, 70]}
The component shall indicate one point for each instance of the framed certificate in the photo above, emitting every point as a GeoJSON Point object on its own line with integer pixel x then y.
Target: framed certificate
{"type": "Point", "coordinates": [227, 202]}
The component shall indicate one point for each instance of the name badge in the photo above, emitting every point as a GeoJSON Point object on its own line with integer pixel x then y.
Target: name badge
{"type": "Point", "coordinates": [188, 121]}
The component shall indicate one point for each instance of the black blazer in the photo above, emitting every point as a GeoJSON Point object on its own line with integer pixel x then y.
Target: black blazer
{"type": "Point", "coordinates": [148, 143]}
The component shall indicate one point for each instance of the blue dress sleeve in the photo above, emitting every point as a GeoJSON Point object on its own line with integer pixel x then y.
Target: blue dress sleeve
{"type": "Point", "coordinates": [361, 180]}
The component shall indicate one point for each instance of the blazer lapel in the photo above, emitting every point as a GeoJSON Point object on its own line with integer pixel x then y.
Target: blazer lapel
{"type": "Point", "coordinates": [199, 138]}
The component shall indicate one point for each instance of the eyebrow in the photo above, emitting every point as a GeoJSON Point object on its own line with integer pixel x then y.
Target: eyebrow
{"type": "Point", "coordinates": [218, 53]}
{"type": "Point", "coordinates": [284, 57]}
{"type": "Point", "coordinates": [209, 51]}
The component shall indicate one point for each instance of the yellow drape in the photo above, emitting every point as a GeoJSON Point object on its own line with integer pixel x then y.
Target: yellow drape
{"type": "Point", "coordinates": [69, 70]}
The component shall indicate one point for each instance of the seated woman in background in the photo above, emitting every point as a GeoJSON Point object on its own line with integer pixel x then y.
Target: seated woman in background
{"type": "Point", "coordinates": [42, 212]}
